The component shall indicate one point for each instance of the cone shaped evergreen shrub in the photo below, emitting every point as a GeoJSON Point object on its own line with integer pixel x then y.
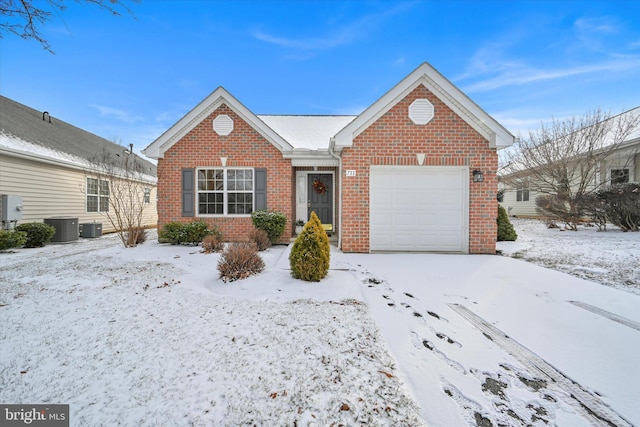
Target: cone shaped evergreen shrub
{"type": "Point", "coordinates": [309, 258]}
{"type": "Point", "coordinates": [505, 229]}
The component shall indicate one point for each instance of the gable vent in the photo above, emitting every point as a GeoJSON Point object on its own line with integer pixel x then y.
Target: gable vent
{"type": "Point", "coordinates": [223, 125]}
{"type": "Point", "coordinates": [421, 111]}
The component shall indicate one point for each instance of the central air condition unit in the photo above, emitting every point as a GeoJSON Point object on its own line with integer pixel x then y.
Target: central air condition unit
{"type": "Point", "coordinates": [91, 229]}
{"type": "Point", "coordinates": [66, 228]}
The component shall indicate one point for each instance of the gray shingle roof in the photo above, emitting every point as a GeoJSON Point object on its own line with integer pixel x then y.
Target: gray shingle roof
{"type": "Point", "coordinates": [27, 124]}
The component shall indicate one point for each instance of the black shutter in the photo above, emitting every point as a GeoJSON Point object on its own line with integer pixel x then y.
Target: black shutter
{"type": "Point", "coordinates": [188, 192]}
{"type": "Point", "coordinates": [260, 192]}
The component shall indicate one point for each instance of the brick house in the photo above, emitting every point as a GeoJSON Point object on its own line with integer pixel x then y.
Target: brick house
{"type": "Point", "coordinates": [415, 171]}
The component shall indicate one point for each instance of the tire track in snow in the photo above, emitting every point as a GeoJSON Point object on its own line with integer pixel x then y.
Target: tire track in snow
{"type": "Point", "coordinates": [596, 411]}
{"type": "Point", "coordinates": [609, 315]}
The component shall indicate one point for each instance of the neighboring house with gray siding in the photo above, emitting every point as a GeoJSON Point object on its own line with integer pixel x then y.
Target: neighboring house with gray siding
{"type": "Point", "coordinates": [50, 164]}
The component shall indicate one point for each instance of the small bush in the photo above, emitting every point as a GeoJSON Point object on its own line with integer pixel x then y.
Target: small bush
{"type": "Point", "coordinates": [310, 254]}
{"type": "Point", "coordinates": [38, 233]}
{"type": "Point", "coordinates": [239, 261]}
{"type": "Point", "coordinates": [260, 238]}
{"type": "Point", "coordinates": [192, 233]}
{"type": "Point", "coordinates": [12, 239]}
{"type": "Point", "coordinates": [212, 243]}
{"type": "Point", "coordinates": [135, 236]}
{"type": "Point", "coordinates": [272, 222]}
{"type": "Point", "coordinates": [506, 232]}
{"type": "Point", "coordinates": [621, 205]}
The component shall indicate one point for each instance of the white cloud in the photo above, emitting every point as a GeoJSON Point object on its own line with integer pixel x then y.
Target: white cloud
{"type": "Point", "coordinates": [117, 114]}
{"type": "Point", "coordinates": [340, 36]}
{"type": "Point", "coordinates": [520, 75]}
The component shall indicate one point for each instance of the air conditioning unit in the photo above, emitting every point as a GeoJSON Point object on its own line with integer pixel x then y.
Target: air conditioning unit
{"type": "Point", "coordinates": [91, 229]}
{"type": "Point", "coordinates": [66, 228]}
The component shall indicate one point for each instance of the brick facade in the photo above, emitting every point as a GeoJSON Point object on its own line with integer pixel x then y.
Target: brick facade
{"type": "Point", "coordinates": [243, 147]}
{"type": "Point", "coordinates": [394, 139]}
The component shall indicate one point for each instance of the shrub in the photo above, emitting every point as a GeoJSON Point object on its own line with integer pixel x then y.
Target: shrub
{"type": "Point", "coordinates": [239, 261]}
{"type": "Point", "coordinates": [309, 258]}
{"type": "Point", "coordinates": [38, 233]}
{"type": "Point", "coordinates": [621, 205]}
{"type": "Point", "coordinates": [505, 229]}
{"type": "Point", "coordinates": [178, 233]}
{"type": "Point", "coordinates": [135, 236]}
{"type": "Point", "coordinates": [272, 222]}
{"type": "Point", "coordinates": [212, 243]}
{"type": "Point", "coordinates": [12, 239]}
{"type": "Point", "coordinates": [260, 238]}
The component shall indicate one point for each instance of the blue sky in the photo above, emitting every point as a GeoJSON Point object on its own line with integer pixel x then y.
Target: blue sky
{"type": "Point", "coordinates": [129, 79]}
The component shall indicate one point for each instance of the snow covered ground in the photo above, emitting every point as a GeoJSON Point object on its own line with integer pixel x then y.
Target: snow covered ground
{"type": "Point", "coordinates": [150, 336]}
{"type": "Point", "coordinates": [611, 258]}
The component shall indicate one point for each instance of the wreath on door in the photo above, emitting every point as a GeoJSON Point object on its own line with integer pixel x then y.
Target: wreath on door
{"type": "Point", "coordinates": [319, 187]}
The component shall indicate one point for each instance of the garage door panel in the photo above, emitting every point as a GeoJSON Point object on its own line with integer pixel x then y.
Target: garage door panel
{"type": "Point", "coordinates": [419, 209]}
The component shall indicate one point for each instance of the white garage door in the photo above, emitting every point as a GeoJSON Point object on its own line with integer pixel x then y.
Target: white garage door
{"type": "Point", "coordinates": [419, 208]}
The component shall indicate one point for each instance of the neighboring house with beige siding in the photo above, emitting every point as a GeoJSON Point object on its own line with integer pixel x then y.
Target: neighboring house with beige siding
{"type": "Point", "coordinates": [617, 166]}
{"type": "Point", "coordinates": [51, 165]}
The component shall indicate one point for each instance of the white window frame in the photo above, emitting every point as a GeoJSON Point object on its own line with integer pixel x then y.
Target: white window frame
{"type": "Point", "coordinates": [522, 189]}
{"type": "Point", "coordinates": [225, 191]}
{"type": "Point", "coordinates": [146, 195]}
{"type": "Point", "coordinates": [612, 169]}
{"type": "Point", "coordinates": [102, 205]}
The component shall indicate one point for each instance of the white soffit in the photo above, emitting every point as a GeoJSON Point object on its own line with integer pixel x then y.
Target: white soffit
{"type": "Point", "coordinates": [223, 125]}
{"type": "Point", "coordinates": [421, 111]}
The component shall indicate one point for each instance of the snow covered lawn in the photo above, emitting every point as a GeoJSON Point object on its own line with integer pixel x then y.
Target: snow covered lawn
{"type": "Point", "coordinates": [611, 258]}
{"type": "Point", "coordinates": [150, 336]}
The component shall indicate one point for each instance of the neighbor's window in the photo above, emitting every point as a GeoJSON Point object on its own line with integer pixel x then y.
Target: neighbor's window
{"type": "Point", "coordinates": [619, 176]}
{"type": "Point", "coordinates": [225, 191]}
{"type": "Point", "coordinates": [147, 195]}
{"type": "Point", "coordinates": [522, 191]}
{"type": "Point", "coordinates": [97, 195]}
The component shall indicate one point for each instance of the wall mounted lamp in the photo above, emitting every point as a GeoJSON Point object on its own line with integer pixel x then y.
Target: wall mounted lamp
{"type": "Point", "coordinates": [478, 176]}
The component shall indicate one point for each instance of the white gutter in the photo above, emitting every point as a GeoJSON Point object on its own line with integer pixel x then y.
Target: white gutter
{"type": "Point", "coordinates": [332, 143]}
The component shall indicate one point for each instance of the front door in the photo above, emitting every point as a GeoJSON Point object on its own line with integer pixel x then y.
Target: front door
{"type": "Point", "coordinates": [320, 198]}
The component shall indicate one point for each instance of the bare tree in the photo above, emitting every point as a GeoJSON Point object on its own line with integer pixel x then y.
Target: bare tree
{"type": "Point", "coordinates": [25, 17]}
{"type": "Point", "coordinates": [561, 161]}
{"type": "Point", "coordinates": [127, 187]}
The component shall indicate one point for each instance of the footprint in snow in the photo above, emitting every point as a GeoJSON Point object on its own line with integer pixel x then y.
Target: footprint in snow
{"type": "Point", "coordinates": [449, 340]}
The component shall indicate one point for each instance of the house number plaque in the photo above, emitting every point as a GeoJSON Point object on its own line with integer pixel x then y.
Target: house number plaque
{"type": "Point", "coordinates": [350, 172]}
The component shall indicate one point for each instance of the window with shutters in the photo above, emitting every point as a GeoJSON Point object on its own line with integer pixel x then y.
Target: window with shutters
{"type": "Point", "coordinates": [225, 191]}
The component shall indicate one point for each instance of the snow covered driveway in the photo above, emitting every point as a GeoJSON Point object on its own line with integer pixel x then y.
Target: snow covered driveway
{"type": "Point", "coordinates": [489, 340]}
{"type": "Point", "coordinates": [150, 336]}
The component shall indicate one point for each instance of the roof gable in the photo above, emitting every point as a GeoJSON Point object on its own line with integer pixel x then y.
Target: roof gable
{"type": "Point", "coordinates": [200, 112]}
{"type": "Point", "coordinates": [442, 88]}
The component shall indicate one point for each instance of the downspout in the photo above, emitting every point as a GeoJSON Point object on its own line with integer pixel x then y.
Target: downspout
{"type": "Point", "coordinates": [332, 143]}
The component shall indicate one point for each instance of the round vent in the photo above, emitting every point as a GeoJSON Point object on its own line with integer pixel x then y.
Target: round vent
{"type": "Point", "coordinates": [421, 111]}
{"type": "Point", "coordinates": [223, 125]}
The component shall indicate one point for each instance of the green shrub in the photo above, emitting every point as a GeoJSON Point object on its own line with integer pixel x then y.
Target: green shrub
{"type": "Point", "coordinates": [309, 258]}
{"type": "Point", "coordinates": [505, 229]}
{"type": "Point", "coordinates": [272, 222]}
{"type": "Point", "coordinates": [260, 238]}
{"type": "Point", "coordinates": [38, 233]}
{"type": "Point", "coordinates": [621, 205]}
{"type": "Point", "coordinates": [192, 233]}
{"type": "Point", "coordinates": [12, 239]}
{"type": "Point", "coordinates": [239, 261]}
